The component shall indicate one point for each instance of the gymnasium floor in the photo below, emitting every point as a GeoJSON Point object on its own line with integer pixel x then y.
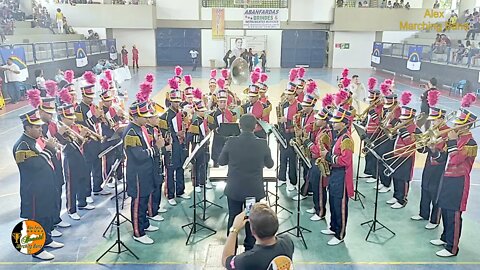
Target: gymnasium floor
{"type": "Point", "coordinates": [408, 249]}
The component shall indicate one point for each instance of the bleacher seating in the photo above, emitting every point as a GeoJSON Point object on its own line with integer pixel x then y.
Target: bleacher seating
{"type": "Point", "coordinates": [24, 33]}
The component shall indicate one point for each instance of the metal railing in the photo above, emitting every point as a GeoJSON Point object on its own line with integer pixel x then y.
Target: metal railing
{"type": "Point", "coordinates": [245, 3]}
{"type": "Point", "coordinates": [435, 54]}
{"type": "Point", "coordinates": [59, 50]}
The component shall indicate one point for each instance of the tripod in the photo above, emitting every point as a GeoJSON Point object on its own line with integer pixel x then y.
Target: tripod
{"type": "Point", "coordinates": [194, 224]}
{"type": "Point", "coordinates": [358, 194]}
{"type": "Point", "coordinates": [373, 222]}
{"type": "Point", "coordinates": [116, 220]}
{"type": "Point", "coordinates": [299, 229]}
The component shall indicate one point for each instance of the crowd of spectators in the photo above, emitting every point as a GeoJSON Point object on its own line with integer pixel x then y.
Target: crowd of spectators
{"type": "Point", "coordinates": [10, 12]}
{"type": "Point", "coordinates": [366, 4]}
{"type": "Point", "coordinates": [42, 18]}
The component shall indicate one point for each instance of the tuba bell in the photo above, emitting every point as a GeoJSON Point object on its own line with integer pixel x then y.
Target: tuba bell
{"type": "Point", "coordinates": [239, 71]}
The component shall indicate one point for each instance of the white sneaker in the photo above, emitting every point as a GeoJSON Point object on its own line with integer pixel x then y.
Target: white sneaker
{"type": "Point", "coordinates": [55, 244]}
{"type": "Point", "coordinates": [157, 218]}
{"type": "Point", "coordinates": [197, 189]}
{"type": "Point", "coordinates": [111, 185]}
{"type": "Point", "coordinates": [397, 205]}
{"type": "Point", "coordinates": [63, 224]}
{"type": "Point", "coordinates": [208, 185]}
{"type": "Point", "coordinates": [74, 216]}
{"type": "Point", "coordinates": [444, 253]}
{"type": "Point", "coordinates": [384, 189]}
{"type": "Point", "coordinates": [56, 233]}
{"type": "Point", "coordinates": [316, 218]}
{"type": "Point", "coordinates": [281, 183]}
{"type": "Point", "coordinates": [103, 192]}
{"type": "Point", "coordinates": [437, 242]}
{"type": "Point", "coordinates": [185, 196]}
{"type": "Point", "coordinates": [291, 188]}
{"type": "Point", "coordinates": [380, 186]}
{"type": "Point", "coordinates": [89, 199]}
{"type": "Point", "coordinates": [431, 226]}
{"type": "Point", "coordinates": [417, 218]}
{"type": "Point", "coordinates": [371, 180]}
{"type": "Point", "coordinates": [334, 241]}
{"type": "Point", "coordinates": [327, 232]}
{"type": "Point", "coordinates": [146, 240]}
{"type": "Point", "coordinates": [392, 201]}
{"type": "Point", "coordinates": [295, 198]}
{"type": "Point", "coordinates": [172, 202]}
{"type": "Point", "coordinates": [162, 210]}
{"type": "Point", "coordinates": [151, 228]}
{"type": "Point", "coordinates": [310, 211]}
{"type": "Point", "coordinates": [87, 207]}
{"type": "Point", "coordinates": [44, 255]}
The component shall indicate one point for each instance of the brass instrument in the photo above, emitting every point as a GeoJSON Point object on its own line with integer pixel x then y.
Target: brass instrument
{"type": "Point", "coordinates": [72, 133]}
{"type": "Point", "coordinates": [323, 164]}
{"type": "Point", "coordinates": [239, 71]}
{"type": "Point", "coordinates": [392, 132]}
{"type": "Point", "coordinates": [168, 154]}
{"type": "Point", "coordinates": [361, 117]}
{"type": "Point", "coordinates": [90, 133]}
{"type": "Point", "coordinates": [300, 134]}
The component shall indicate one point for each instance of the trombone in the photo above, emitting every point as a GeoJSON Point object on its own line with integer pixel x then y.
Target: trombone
{"type": "Point", "coordinates": [361, 117]}
{"type": "Point", "coordinates": [90, 133]}
{"type": "Point", "coordinates": [72, 133]}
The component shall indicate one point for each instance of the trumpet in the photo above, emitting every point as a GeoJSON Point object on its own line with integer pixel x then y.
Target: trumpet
{"type": "Point", "coordinates": [72, 133]}
{"type": "Point", "coordinates": [361, 117]}
{"type": "Point", "coordinates": [90, 133]}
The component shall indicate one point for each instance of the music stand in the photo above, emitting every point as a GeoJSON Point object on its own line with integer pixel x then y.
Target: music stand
{"type": "Point", "coordinates": [101, 155]}
{"type": "Point", "coordinates": [116, 219]}
{"type": "Point", "coordinates": [193, 225]}
{"type": "Point", "coordinates": [281, 142]}
{"type": "Point", "coordinates": [229, 129]}
{"type": "Point", "coordinates": [298, 228]}
{"type": "Point", "coordinates": [363, 136]}
{"type": "Point", "coordinates": [374, 221]}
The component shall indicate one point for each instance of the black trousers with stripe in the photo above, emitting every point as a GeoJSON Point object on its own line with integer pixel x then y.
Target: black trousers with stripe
{"type": "Point", "coordinates": [452, 229]}
{"type": "Point", "coordinates": [319, 192]}
{"type": "Point", "coordinates": [138, 210]}
{"type": "Point", "coordinates": [338, 200]}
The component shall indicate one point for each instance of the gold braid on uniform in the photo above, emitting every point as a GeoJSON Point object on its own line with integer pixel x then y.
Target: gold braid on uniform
{"type": "Point", "coordinates": [132, 141]}
{"type": "Point", "coordinates": [22, 155]}
{"type": "Point", "coordinates": [470, 150]}
{"type": "Point", "coordinates": [194, 129]}
{"type": "Point", "coordinates": [210, 119]}
{"type": "Point", "coordinates": [162, 124]}
{"type": "Point", "coordinates": [347, 144]}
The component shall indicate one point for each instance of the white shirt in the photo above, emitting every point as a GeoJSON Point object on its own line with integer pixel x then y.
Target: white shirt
{"type": "Point", "coordinates": [10, 76]}
{"type": "Point", "coordinates": [40, 82]}
{"type": "Point", "coordinates": [193, 53]}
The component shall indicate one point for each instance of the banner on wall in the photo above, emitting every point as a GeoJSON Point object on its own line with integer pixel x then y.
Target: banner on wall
{"type": "Point", "coordinates": [218, 23]}
{"type": "Point", "coordinates": [261, 18]}
{"type": "Point", "coordinates": [18, 58]}
{"type": "Point", "coordinates": [414, 61]}
{"type": "Point", "coordinates": [377, 52]}
{"type": "Point", "coordinates": [239, 44]}
{"type": "Point", "coordinates": [80, 53]}
{"type": "Point", "coordinates": [112, 49]}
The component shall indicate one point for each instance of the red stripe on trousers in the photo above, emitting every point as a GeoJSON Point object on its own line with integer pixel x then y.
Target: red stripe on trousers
{"type": "Point", "coordinates": [456, 232]}
{"type": "Point", "coordinates": [135, 211]}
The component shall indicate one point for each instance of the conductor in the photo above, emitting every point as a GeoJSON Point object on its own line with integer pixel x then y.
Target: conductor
{"type": "Point", "coordinates": [245, 155]}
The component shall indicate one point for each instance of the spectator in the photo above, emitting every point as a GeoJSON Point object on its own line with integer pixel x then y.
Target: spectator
{"type": "Point", "coordinates": [59, 19]}
{"type": "Point", "coordinates": [264, 226]}
{"type": "Point", "coordinates": [459, 52]}
{"type": "Point", "coordinates": [255, 59]}
{"type": "Point", "coordinates": [59, 76]}
{"type": "Point", "coordinates": [92, 35]}
{"type": "Point", "coordinates": [365, 4]}
{"type": "Point", "coordinates": [12, 80]}
{"type": "Point", "coordinates": [124, 56]}
{"type": "Point", "coordinates": [474, 26]}
{"type": "Point", "coordinates": [68, 29]}
{"type": "Point", "coordinates": [359, 4]}
{"type": "Point", "coordinates": [436, 5]}
{"type": "Point", "coordinates": [194, 55]}
{"type": "Point", "coordinates": [226, 58]}
{"type": "Point", "coordinates": [401, 5]}
{"type": "Point", "coordinates": [339, 3]}
{"type": "Point", "coordinates": [396, 4]}
{"type": "Point", "coordinates": [476, 55]}
{"type": "Point", "coordinates": [250, 59]}
{"type": "Point", "coordinates": [389, 4]}
{"type": "Point", "coordinates": [383, 4]}
{"type": "Point", "coordinates": [264, 61]}
{"type": "Point", "coordinates": [464, 53]}
{"type": "Point", "coordinates": [407, 5]}
{"type": "Point", "coordinates": [135, 56]}
{"type": "Point", "coordinates": [40, 82]}
{"type": "Point", "coordinates": [244, 55]}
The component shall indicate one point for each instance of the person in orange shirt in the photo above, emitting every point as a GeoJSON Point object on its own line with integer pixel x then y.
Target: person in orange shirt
{"type": "Point", "coordinates": [135, 56]}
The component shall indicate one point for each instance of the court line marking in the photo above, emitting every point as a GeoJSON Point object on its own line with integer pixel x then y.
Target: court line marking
{"type": "Point", "coordinates": [8, 194]}
{"type": "Point", "coordinates": [199, 262]}
{"type": "Point", "coordinates": [10, 129]}
{"type": "Point", "coordinates": [14, 110]}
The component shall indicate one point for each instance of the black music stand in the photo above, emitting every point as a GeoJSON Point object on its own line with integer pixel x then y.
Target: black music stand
{"type": "Point", "coordinates": [363, 136]}
{"type": "Point", "coordinates": [374, 221]}
{"type": "Point", "coordinates": [193, 225]}
{"type": "Point", "coordinates": [267, 128]}
{"type": "Point", "coordinates": [299, 229]}
{"type": "Point", "coordinates": [228, 130]}
{"type": "Point", "coordinates": [116, 219]}
{"type": "Point", "coordinates": [281, 142]}
{"type": "Point", "coordinates": [102, 154]}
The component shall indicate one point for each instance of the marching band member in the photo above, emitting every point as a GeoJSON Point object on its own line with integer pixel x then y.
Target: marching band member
{"type": "Point", "coordinates": [211, 96]}
{"type": "Point", "coordinates": [288, 109]}
{"type": "Point", "coordinates": [372, 130]}
{"type": "Point", "coordinates": [38, 201]}
{"type": "Point", "coordinates": [263, 96]}
{"type": "Point", "coordinates": [403, 154]}
{"type": "Point", "coordinates": [340, 186]}
{"type": "Point", "coordinates": [222, 114]}
{"type": "Point", "coordinates": [140, 169]}
{"type": "Point", "coordinates": [197, 131]}
{"type": "Point", "coordinates": [308, 121]}
{"type": "Point", "coordinates": [254, 106]}
{"type": "Point", "coordinates": [322, 139]}
{"type": "Point", "coordinates": [434, 166]}
{"type": "Point", "coordinates": [391, 114]}
{"type": "Point", "coordinates": [300, 84]}
{"type": "Point", "coordinates": [455, 184]}
{"type": "Point", "coordinates": [177, 128]}
{"type": "Point", "coordinates": [88, 116]}
{"type": "Point", "coordinates": [188, 103]}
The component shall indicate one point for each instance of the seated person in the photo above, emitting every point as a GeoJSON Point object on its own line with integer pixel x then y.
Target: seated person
{"type": "Point", "coordinates": [264, 226]}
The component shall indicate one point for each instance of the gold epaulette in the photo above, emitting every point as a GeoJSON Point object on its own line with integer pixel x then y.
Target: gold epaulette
{"type": "Point", "coordinates": [210, 119]}
{"type": "Point", "coordinates": [470, 150]}
{"type": "Point", "coordinates": [162, 124]}
{"type": "Point", "coordinates": [79, 116]}
{"type": "Point", "coordinates": [22, 155]}
{"type": "Point", "coordinates": [194, 129]}
{"type": "Point", "coordinates": [268, 109]}
{"type": "Point", "coordinates": [132, 141]}
{"type": "Point", "coordinates": [347, 144]}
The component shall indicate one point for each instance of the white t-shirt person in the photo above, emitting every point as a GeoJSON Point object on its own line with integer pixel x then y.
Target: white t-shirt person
{"type": "Point", "coordinates": [194, 53]}
{"type": "Point", "coordinates": [12, 73]}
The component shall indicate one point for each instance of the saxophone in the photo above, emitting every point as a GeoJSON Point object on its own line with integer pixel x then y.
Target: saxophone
{"type": "Point", "coordinates": [300, 134]}
{"type": "Point", "coordinates": [322, 164]}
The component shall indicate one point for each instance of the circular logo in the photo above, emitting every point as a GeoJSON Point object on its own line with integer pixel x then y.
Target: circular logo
{"type": "Point", "coordinates": [28, 237]}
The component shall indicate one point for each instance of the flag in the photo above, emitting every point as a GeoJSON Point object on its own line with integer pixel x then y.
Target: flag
{"type": "Point", "coordinates": [414, 61]}
{"type": "Point", "coordinates": [81, 53]}
{"type": "Point", "coordinates": [112, 48]}
{"type": "Point", "coordinates": [18, 58]}
{"type": "Point", "coordinates": [377, 52]}
{"type": "Point", "coordinates": [218, 23]}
